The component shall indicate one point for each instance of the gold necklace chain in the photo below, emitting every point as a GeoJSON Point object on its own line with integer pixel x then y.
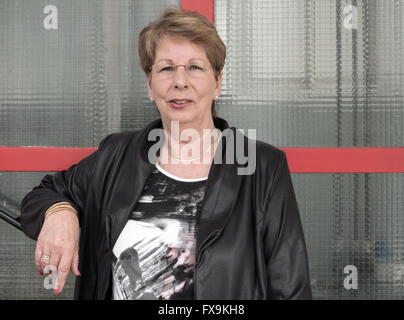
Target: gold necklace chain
{"type": "Point", "coordinates": [197, 157]}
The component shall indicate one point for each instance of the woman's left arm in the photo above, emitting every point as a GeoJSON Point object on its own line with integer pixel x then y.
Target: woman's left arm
{"type": "Point", "coordinates": [283, 238]}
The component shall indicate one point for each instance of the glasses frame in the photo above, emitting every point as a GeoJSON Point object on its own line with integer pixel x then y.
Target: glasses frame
{"type": "Point", "coordinates": [186, 69]}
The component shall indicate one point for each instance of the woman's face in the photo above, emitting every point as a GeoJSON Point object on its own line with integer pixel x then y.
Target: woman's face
{"type": "Point", "coordinates": [180, 94]}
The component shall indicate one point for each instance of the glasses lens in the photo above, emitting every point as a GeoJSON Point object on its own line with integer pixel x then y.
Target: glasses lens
{"type": "Point", "coordinates": [194, 70]}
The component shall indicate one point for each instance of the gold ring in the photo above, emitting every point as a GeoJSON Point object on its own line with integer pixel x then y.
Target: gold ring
{"type": "Point", "coordinates": [44, 257]}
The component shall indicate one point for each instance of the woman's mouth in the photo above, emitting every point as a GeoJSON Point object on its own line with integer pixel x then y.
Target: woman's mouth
{"type": "Point", "coordinates": [180, 103]}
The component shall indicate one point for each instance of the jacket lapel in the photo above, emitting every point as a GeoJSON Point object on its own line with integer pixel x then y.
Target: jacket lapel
{"type": "Point", "coordinates": [135, 170]}
{"type": "Point", "coordinates": [221, 193]}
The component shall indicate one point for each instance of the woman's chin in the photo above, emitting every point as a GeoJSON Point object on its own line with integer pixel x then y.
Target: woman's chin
{"type": "Point", "coordinates": [186, 115]}
{"type": "Point", "coordinates": [182, 117]}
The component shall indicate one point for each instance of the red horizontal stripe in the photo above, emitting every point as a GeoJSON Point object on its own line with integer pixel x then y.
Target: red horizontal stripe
{"type": "Point", "coordinates": [347, 160]}
{"type": "Point", "coordinates": [40, 158]}
{"type": "Point", "coordinates": [300, 160]}
{"type": "Point", "coordinates": [205, 7]}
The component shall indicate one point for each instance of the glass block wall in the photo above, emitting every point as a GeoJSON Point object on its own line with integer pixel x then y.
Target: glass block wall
{"type": "Point", "coordinates": [307, 73]}
{"type": "Point", "coordinates": [64, 87]}
{"type": "Point", "coordinates": [318, 73]}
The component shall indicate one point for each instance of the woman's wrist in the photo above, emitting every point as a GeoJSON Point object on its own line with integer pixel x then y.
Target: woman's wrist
{"type": "Point", "coordinates": [59, 206]}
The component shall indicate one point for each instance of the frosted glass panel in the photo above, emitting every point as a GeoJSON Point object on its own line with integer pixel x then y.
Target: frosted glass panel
{"type": "Point", "coordinates": [314, 73]}
{"type": "Point", "coordinates": [321, 73]}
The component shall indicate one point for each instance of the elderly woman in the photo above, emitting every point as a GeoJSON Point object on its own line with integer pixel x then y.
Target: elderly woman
{"type": "Point", "coordinates": [174, 227]}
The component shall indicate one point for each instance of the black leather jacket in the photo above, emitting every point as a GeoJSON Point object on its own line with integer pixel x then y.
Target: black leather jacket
{"type": "Point", "coordinates": [250, 242]}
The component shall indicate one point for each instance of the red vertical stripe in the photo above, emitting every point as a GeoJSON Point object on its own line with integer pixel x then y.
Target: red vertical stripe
{"type": "Point", "coordinates": [205, 7]}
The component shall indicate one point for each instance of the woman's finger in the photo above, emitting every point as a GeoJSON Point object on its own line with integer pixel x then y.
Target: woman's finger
{"type": "Point", "coordinates": [75, 264]}
{"type": "Point", "coordinates": [37, 259]}
{"type": "Point", "coordinates": [63, 271]}
{"type": "Point", "coordinates": [45, 261]}
{"type": "Point", "coordinates": [55, 257]}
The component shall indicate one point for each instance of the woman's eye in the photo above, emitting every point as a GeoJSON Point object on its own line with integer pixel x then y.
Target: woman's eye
{"type": "Point", "coordinates": [194, 67]}
{"type": "Point", "coordinates": [168, 68]}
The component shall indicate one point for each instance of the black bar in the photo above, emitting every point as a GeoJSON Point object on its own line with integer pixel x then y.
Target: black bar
{"type": "Point", "coordinates": [9, 217]}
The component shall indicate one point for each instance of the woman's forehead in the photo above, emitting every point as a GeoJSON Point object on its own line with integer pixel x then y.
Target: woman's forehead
{"type": "Point", "coordinates": [171, 50]}
{"type": "Point", "coordinates": [172, 61]}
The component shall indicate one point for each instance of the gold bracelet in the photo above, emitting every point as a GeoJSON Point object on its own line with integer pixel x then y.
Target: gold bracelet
{"type": "Point", "coordinates": [58, 207]}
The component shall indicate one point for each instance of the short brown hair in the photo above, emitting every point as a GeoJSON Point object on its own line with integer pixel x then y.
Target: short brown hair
{"type": "Point", "coordinates": [179, 23]}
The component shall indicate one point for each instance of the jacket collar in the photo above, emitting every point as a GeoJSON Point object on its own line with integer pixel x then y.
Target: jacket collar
{"type": "Point", "coordinates": [223, 183]}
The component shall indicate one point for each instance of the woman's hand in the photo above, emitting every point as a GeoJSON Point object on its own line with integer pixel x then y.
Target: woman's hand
{"type": "Point", "coordinates": [58, 240]}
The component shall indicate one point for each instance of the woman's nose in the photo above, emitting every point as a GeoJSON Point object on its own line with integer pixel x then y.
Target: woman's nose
{"type": "Point", "coordinates": [180, 78]}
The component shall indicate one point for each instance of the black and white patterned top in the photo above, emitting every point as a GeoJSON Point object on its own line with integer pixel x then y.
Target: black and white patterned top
{"type": "Point", "coordinates": [154, 256]}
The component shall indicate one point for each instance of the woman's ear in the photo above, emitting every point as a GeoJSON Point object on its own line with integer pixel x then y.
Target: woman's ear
{"type": "Point", "coordinates": [218, 84]}
{"type": "Point", "coordinates": [149, 89]}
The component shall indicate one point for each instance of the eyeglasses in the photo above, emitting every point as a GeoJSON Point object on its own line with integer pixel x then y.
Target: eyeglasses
{"type": "Point", "coordinates": [193, 70]}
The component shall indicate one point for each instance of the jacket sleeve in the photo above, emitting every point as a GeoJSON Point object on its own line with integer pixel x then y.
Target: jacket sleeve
{"type": "Point", "coordinates": [64, 186]}
{"type": "Point", "coordinates": [284, 243]}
